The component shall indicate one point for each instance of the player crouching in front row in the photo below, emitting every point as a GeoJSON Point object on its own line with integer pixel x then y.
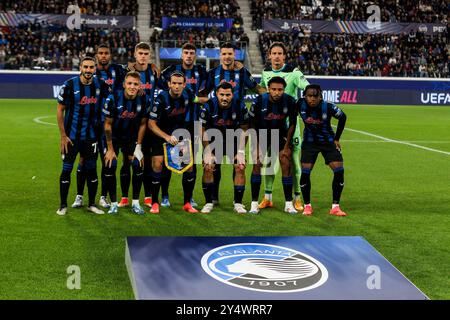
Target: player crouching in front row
{"type": "Point", "coordinates": [222, 113]}
{"type": "Point", "coordinates": [318, 137]}
{"type": "Point", "coordinates": [126, 119]}
{"type": "Point", "coordinates": [268, 114]}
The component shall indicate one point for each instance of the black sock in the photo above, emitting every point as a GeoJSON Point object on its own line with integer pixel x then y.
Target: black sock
{"type": "Point", "coordinates": [305, 185]}
{"type": "Point", "coordinates": [188, 186]}
{"type": "Point", "coordinates": [125, 179]}
{"type": "Point", "coordinates": [238, 193]}
{"type": "Point", "coordinates": [147, 180]}
{"type": "Point", "coordinates": [207, 191]}
{"type": "Point", "coordinates": [338, 184]}
{"type": "Point", "coordinates": [81, 179]}
{"type": "Point", "coordinates": [256, 186]}
{"type": "Point", "coordinates": [287, 187]}
{"type": "Point", "coordinates": [165, 181]}
{"type": "Point", "coordinates": [156, 183]}
{"type": "Point", "coordinates": [64, 185]}
{"type": "Point", "coordinates": [92, 184]}
{"type": "Point", "coordinates": [137, 181]}
{"type": "Point", "coordinates": [104, 187]}
{"type": "Point", "coordinates": [217, 176]}
{"type": "Point", "coordinates": [110, 181]}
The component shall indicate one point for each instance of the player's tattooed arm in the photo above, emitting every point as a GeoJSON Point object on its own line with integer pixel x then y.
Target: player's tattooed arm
{"type": "Point", "coordinates": [110, 154]}
{"type": "Point", "coordinates": [65, 140]}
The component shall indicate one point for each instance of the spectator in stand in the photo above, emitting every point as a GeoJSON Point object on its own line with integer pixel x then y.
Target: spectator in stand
{"type": "Point", "coordinates": [365, 55]}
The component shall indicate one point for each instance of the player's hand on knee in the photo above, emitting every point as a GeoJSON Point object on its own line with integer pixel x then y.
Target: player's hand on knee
{"type": "Point", "coordinates": [172, 140]}
{"type": "Point", "coordinates": [139, 155]}
{"type": "Point", "coordinates": [338, 145]}
{"type": "Point", "coordinates": [110, 156]}
{"type": "Point", "coordinates": [65, 140]}
{"type": "Point", "coordinates": [286, 153]}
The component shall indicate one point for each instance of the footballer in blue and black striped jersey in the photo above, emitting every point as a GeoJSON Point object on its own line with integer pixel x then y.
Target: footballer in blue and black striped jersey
{"type": "Point", "coordinates": [317, 121]}
{"type": "Point", "coordinates": [224, 112]}
{"type": "Point", "coordinates": [112, 75]}
{"type": "Point", "coordinates": [213, 115]}
{"type": "Point", "coordinates": [240, 79]}
{"type": "Point", "coordinates": [173, 109]}
{"type": "Point", "coordinates": [268, 115]}
{"type": "Point", "coordinates": [79, 112]}
{"type": "Point", "coordinates": [173, 113]}
{"type": "Point", "coordinates": [195, 76]}
{"type": "Point", "coordinates": [83, 104]}
{"type": "Point", "coordinates": [319, 137]}
{"type": "Point", "coordinates": [126, 115]}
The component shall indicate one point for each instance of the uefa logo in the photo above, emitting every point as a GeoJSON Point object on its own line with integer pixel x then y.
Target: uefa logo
{"type": "Point", "coordinates": [264, 267]}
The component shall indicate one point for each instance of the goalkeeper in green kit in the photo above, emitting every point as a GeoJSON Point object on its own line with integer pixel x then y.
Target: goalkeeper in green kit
{"type": "Point", "coordinates": [295, 80]}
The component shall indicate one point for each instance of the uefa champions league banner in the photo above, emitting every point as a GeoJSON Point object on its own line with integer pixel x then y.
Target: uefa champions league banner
{"type": "Point", "coordinates": [91, 21]}
{"type": "Point", "coordinates": [340, 90]}
{"type": "Point", "coordinates": [197, 23]}
{"type": "Point", "coordinates": [356, 27]}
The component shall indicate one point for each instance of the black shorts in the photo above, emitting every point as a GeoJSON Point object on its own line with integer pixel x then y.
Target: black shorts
{"type": "Point", "coordinates": [147, 143]}
{"type": "Point", "coordinates": [156, 146]}
{"type": "Point", "coordinates": [88, 150]}
{"type": "Point", "coordinates": [282, 138]}
{"type": "Point", "coordinates": [310, 151]}
{"type": "Point", "coordinates": [127, 147]}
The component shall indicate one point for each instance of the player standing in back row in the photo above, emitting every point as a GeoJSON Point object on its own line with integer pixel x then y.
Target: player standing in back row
{"type": "Point", "coordinates": [112, 74]}
{"type": "Point", "coordinates": [295, 80]}
{"type": "Point", "coordinates": [79, 112]}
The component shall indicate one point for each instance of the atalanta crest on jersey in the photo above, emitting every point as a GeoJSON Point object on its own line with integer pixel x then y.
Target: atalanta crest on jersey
{"type": "Point", "coordinates": [264, 267]}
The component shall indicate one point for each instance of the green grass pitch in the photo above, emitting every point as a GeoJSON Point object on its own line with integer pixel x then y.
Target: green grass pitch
{"type": "Point", "coordinates": [397, 196]}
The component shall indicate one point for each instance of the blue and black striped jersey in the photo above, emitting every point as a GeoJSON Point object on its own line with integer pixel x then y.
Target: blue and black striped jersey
{"type": "Point", "coordinates": [113, 76]}
{"type": "Point", "coordinates": [317, 120]}
{"type": "Point", "coordinates": [127, 115]}
{"type": "Point", "coordinates": [149, 82]}
{"type": "Point", "coordinates": [195, 77]}
{"type": "Point", "coordinates": [241, 80]}
{"type": "Point", "coordinates": [213, 116]}
{"type": "Point", "coordinates": [83, 105]}
{"type": "Point", "coordinates": [265, 114]}
{"type": "Point", "coordinates": [174, 113]}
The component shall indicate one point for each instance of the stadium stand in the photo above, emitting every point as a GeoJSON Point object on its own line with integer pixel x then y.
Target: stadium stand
{"type": "Point", "coordinates": [194, 9]}
{"type": "Point", "coordinates": [176, 37]}
{"type": "Point", "coordinates": [41, 47]}
{"type": "Point", "coordinates": [412, 55]}
{"type": "Point", "coordinates": [94, 7]}
{"type": "Point", "coordinates": [45, 47]}
{"type": "Point", "coordinates": [427, 11]}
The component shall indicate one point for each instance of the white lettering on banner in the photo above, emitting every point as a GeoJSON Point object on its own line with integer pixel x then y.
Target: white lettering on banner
{"type": "Point", "coordinates": [439, 28]}
{"type": "Point", "coordinates": [56, 90]}
{"type": "Point", "coordinates": [434, 97]}
{"type": "Point", "coordinates": [331, 95]}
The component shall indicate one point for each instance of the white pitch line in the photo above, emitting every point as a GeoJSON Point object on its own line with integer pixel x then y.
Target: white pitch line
{"type": "Point", "coordinates": [382, 141]}
{"type": "Point", "coordinates": [398, 141]}
{"type": "Point", "coordinates": [38, 120]}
